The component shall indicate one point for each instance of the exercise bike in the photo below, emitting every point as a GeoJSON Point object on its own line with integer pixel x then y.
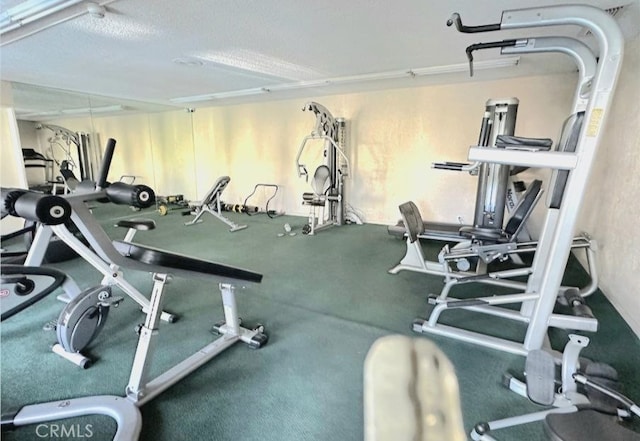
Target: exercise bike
{"type": "Point", "coordinates": [84, 316]}
{"type": "Point", "coordinates": [124, 410]}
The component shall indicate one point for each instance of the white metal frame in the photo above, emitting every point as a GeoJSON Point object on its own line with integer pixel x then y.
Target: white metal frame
{"type": "Point", "coordinates": [566, 399]}
{"type": "Point", "coordinates": [125, 410]}
{"type": "Point", "coordinates": [140, 390]}
{"type": "Point", "coordinates": [98, 254]}
{"type": "Point", "coordinates": [556, 240]}
{"type": "Point", "coordinates": [326, 129]}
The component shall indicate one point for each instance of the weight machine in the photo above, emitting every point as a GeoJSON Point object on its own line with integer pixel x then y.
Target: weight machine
{"type": "Point", "coordinates": [326, 202]}
{"type": "Point", "coordinates": [497, 189]}
{"type": "Point", "coordinates": [499, 248]}
{"type": "Point", "coordinates": [85, 155]}
{"type": "Point", "coordinates": [586, 64]}
{"type": "Point", "coordinates": [484, 243]}
{"type": "Point", "coordinates": [496, 192]}
{"type": "Point", "coordinates": [81, 141]}
{"type": "Point", "coordinates": [571, 165]}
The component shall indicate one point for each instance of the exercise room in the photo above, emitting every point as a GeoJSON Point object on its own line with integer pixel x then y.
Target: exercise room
{"type": "Point", "coordinates": [415, 219]}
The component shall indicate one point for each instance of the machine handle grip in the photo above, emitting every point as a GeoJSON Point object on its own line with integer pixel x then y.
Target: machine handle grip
{"type": "Point", "coordinates": [455, 19]}
{"type": "Point", "coordinates": [457, 166]}
{"type": "Point", "coordinates": [494, 44]}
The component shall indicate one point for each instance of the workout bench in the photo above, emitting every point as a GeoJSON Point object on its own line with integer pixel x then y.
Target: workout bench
{"type": "Point", "coordinates": [212, 204]}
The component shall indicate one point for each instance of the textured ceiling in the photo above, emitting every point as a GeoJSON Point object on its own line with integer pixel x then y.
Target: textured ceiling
{"type": "Point", "coordinates": [154, 51]}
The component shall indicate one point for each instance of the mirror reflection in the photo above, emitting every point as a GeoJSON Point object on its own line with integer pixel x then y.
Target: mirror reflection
{"type": "Point", "coordinates": [62, 134]}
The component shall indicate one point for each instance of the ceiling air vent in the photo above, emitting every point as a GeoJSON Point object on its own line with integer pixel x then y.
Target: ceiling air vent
{"type": "Point", "coordinates": [614, 11]}
{"type": "Point", "coordinates": [188, 61]}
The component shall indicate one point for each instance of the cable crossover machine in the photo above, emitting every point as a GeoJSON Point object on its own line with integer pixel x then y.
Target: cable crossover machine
{"type": "Point", "coordinates": [326, 200]}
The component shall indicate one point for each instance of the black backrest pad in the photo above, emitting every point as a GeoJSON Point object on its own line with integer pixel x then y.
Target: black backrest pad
{"type": "Point", "coordinates": [508, 141]}
{"type": "Point", "coordinates": [524, 208]}
{"type": "Point", "coordinates": [568, 142]}
{"type": "Point", "coordinates": [161, 261]}
{"type": "Point", "coordinates": [412, 220]}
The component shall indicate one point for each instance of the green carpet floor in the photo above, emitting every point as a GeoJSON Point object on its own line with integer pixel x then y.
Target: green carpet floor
{"type": "Point", "coordinates": [324, 300]}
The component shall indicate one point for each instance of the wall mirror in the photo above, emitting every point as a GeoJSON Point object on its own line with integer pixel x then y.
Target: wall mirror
{"type": "Point", "coordinates": [63, 133]}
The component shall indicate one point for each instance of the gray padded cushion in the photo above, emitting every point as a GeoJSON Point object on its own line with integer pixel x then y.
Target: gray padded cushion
{"type": "Point", "coordinates": [524, 209]}
{"type": "Point", "coordinates": [515, 142]}
{"type": "Point", "coordinates": [412, 220]}
{"type": "Point", "coordinates": [568, 143]}
{"type": "Point", "coordinates": [540, 369]}
{"type": "Point", "coordinates": [321, 180]}
{"type": "Point", "coordinates": [218, 187]}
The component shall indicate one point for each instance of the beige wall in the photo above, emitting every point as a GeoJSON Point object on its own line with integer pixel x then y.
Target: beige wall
{"type": "Point", "coordinates": [611, 204]}
{"type": "Point", "coordinates": [171, 138]}
{"type": "Point", "coordinates": [11, 166]}
{"type": "Point", "coordinates": [133, 146]}
{"type": "Point", "coordinates": [29, 138]}
{"type": "Point", "coordinates": [395, 135]}
{"type": "Point", "coordinates": [156, 148]}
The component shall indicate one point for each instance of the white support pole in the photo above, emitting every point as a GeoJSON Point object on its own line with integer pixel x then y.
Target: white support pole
{"type": "Point", "coordinates": [144, 351]}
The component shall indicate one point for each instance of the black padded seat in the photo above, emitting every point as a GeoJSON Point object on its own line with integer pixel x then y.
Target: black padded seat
{"type": "Point", "coordinates": [138, 224]}
{"type": "Point", "coordinates": [483, 234]}
{"type": "Point", "coordinates": [69, 178]}
{"type": "Point", "coordinates": [412, 220]}
{"type": "Point", "coordinates": [523, 210]}
{"type": "Point", "coordinates": [515, 223]}
{"type": "Point", "coordinates": [522, 143]}
{"type": "Point", "coordinates": [160, 261]}
{"type": "Point", "coordinates": [586, 425]}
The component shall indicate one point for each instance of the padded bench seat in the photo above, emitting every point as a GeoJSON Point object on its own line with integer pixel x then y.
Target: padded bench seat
{"type": "Point", "coordinates": [138, 224]}
{"type": "Point", "coordinates": [522, 143]}
{"type": "Point", "coordinates": [151, 259]}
